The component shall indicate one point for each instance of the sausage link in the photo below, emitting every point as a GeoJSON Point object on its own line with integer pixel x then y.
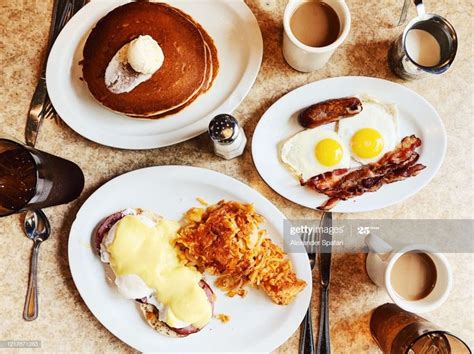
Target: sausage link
{"type": "Point", "coordinates": [329, 111]}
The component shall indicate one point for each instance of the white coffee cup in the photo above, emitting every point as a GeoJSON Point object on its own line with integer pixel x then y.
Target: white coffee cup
{"type": "Point", "coordinates": [380, 262]}
{"type": "Point", "coordinates": [303, 57]}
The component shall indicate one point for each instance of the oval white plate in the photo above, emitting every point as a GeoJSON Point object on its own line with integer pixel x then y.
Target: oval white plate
{"type": "Point", "coordinates": [239, 43]}
{"type": "Point", "coordinates": [279, 122]}
{"type": "Point", "coordinates": [256, 323]}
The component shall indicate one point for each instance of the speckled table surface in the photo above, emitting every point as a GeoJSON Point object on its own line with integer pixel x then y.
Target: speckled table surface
{"type": "Point", "coordinates": [66, 324]}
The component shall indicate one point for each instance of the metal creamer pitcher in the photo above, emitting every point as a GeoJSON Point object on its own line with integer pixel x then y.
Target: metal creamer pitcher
{"type": "Point", "coordinates": [404, 65]}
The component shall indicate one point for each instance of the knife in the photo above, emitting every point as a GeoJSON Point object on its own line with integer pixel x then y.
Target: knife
{"type": "Point", "coordinates": [325, 248]}
{"type": "Point", "coordinates": [306, 345]}
{"type": "Point", "coordinates": [40, 105]}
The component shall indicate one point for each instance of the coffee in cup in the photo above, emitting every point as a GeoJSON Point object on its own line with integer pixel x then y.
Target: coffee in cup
{"type": "Point", "coordinates": [422, 277]}
{"type": "Point", "coordinates": [416, 277]}
{"type": "Point", "coordinates": [313, 30]}
{"type": "Point", "coordinates": [315, 24]}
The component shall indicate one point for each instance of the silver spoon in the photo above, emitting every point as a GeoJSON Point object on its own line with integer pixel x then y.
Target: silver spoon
{"type": "Point", "coordinates": [37, 229]}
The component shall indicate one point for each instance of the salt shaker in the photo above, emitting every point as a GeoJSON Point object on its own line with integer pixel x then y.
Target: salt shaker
{"type": "Point", "coordinates": [227, 136]}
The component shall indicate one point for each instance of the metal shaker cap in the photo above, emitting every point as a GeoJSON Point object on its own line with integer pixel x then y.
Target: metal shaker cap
{"type": "Point", "coordinates": [224, 129]}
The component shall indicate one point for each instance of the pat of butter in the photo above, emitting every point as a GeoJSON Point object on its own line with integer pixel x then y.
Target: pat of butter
{"type": "Point", "coordinates": [148, 253]}
{"type": "Point", "coordinates": [145, 55]}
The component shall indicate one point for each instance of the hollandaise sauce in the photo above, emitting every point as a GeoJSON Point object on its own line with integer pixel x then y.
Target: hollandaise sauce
{"type": "Point", "coordinates": [148, 253]}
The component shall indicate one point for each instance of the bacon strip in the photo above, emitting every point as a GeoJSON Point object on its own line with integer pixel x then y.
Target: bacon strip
{"type": "Point", "coordinates": [394, 166]}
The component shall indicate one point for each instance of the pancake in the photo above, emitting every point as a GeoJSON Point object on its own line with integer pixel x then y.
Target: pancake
{"type": "Point", "coordinates": [189, 69]}
{"type": "Point", "coordinates": [211, 48]}
{"type": "Point", "coordinates": [212, 61]}
{"type": "Point", "coordinates": [212, 71]}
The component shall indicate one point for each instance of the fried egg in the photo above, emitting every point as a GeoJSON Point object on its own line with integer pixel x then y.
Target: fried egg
{"type": "Point", "coordinates": [314, 151]}
{"type": "Point", "coordinates": [371, 133]}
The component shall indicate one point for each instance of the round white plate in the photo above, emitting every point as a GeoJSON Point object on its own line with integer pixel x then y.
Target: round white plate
{"type": "Point", "coordinates": [256, 323]}
{"type": "Point", "coordinates": [239, 43]}
{"type": "Point", "coordinates": [279, 122]}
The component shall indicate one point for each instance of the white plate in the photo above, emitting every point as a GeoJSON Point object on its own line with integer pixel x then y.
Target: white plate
{"type": "Point", "coordinates": [279, 122]}
{"type": "Point", "coordinates": [256, 323]}
{"type": "Point", "coordinates": [239, 43]}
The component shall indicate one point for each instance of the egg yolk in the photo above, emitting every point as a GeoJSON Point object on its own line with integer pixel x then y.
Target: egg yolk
{"type": "Point", "coordinates": [367, 143]}
{"type": "Point", "coordinates": [329, 152]}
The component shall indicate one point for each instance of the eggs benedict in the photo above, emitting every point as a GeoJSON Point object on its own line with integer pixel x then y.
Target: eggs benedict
{"type": "Point", "coordinates": [137, 245]}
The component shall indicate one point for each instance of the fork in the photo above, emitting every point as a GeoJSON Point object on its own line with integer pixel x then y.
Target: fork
{"type": "Point", "coordinates": [306, 345]}
{"type": "Point", "coordinates": [40, 106]}
{"type": "Point", "coordinates": [70, 10]}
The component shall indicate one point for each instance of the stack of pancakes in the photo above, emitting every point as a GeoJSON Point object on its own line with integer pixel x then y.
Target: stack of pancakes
{"type": "Point", "coordinates": [189, 68]}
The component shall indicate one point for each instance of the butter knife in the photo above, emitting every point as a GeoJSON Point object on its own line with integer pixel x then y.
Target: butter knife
{"type": "Point", "coordinates": [323, 345]}
{"type": "Point", "coordinates": [40, 105]}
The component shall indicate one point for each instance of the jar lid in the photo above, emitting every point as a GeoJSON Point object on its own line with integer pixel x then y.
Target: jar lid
{"type": "Point", "coordinates": [224, 129]}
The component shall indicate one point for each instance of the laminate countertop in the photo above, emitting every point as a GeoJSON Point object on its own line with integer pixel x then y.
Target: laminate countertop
{"type": "Point", "coordinates": [66, 324]}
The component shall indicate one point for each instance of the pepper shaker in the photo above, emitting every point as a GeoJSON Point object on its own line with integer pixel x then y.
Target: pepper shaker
{"type": "Point", "coordinates": [227, 136]}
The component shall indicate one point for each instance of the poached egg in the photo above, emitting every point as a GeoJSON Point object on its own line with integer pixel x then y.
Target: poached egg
{"type": "Point", "coordinates": [140, 253]}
